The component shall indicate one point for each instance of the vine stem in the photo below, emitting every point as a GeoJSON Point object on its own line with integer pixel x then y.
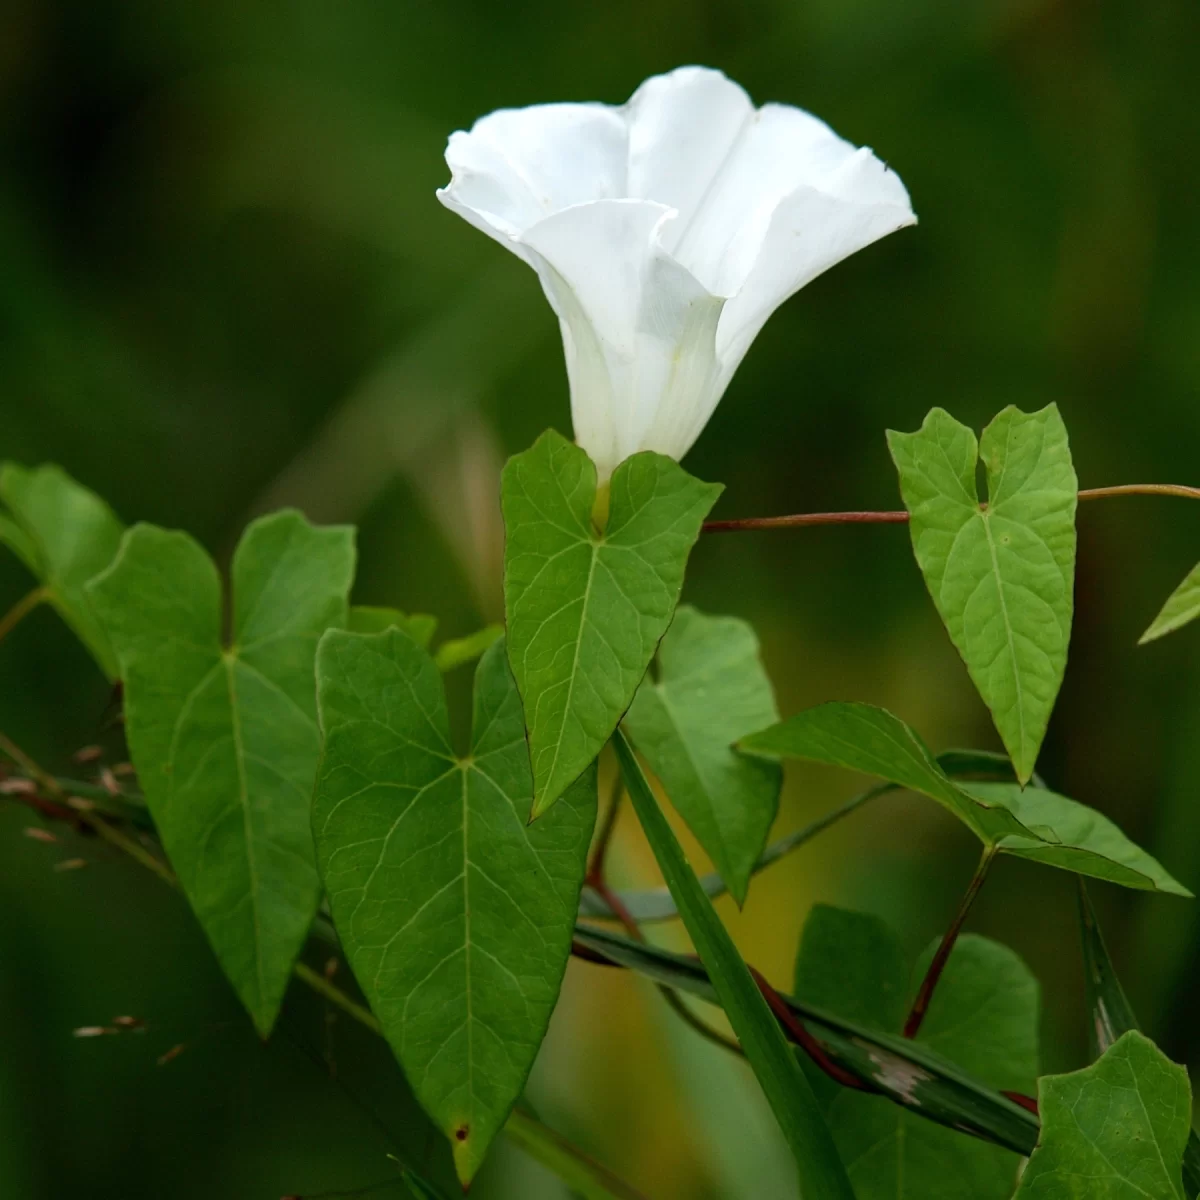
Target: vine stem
{"type": "Point", "coordinates": [595, 868]}
{"type": "Point", "coordinates": [925, 993]}
{"type": "Point", "coordinates": [21, 610]}
{"type": "Point", "coordinates": [799, 520]}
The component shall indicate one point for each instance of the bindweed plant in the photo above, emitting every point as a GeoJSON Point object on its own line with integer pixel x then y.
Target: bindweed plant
{"type": "Point", "coordinates": [296, 778]}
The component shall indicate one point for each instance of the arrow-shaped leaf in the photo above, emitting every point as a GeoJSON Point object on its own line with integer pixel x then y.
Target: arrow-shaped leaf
{"type": "Point", "coordinates": [65, 535]}
{"type": "Point", "coordinates": [225, 739]}
{"type": "Point", "coordinates": [585, 610]}
{"type": "Point", "coordinates": [455, 913]}
{"type": "Point", "coordinates": [1002, 575]}
{"type": "Point", "coordinates": [711, 690]}
{"type": "Point", "coordinates": [1029, 823]}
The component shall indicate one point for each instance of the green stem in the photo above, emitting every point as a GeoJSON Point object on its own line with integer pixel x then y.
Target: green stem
{"type": "Point", "coordinates": [21, 610]}
{"type": "Point", "coordinates": [579, 1172]}
{"type": "Point", "coordinates": [334, 994]}
{"type": "Point", "coordinates": [925, 993]}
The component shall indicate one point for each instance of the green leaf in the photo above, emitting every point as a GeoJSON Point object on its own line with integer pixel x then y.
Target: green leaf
{"type": "Point", "coordinates": [782, 1080]}
{"type": "Point", "coordinates": [458, 651]}
{"type": "Point", "coordinates": [1110, 1014]}
{"type": "Point", "coordinates": [585, 610]}
{"type": "Point", "coordinates": [367, 619]}
{"type": "Point", "coordinates": [1073, 837]}
{"type": "Point", "coordinates": [853, 964]}
{"type": "Point", "coordinates": [225, 741]}
{"type": "Point", "coordinates": [1031, 823]}
{"type": "Point", "coordinates": [905, 1071]}
{"type": "Point", "coordinates": [1182, 607]}
{"type": "Point", "coordinates": [711, 690]}
{"type": "Point", "coordinates": [65, 535]}
{"type": "Point", "coordinates": [983, 1017]}
{"type": "Point", "coordinates": [1002, 574]}
{"type": "Point", "coordinates": [1113, 1131]}
{"type": "Point", "coordinates": [455, 914]}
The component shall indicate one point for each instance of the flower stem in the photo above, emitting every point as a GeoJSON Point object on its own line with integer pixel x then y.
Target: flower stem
{"type": "Point", "coordinates": [925, 993]}
{"type": "Point", "coordinates": [21, 610]}
{"type": "Point", "coordinates": [799, 520]}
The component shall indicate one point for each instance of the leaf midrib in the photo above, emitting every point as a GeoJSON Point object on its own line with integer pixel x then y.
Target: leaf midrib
{"type": "Point", "coordinates": [566, 708]}
{"type": "Point", "coordinates": [466, 805]}
{"type": "Point", "coordinates": [239, 755]}
{"type": "Point", "coordinates": [1008, 631]}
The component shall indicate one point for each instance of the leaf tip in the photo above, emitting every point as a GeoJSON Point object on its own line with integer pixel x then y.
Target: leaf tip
{"type": "Point", "coordinates": [466, 1160]}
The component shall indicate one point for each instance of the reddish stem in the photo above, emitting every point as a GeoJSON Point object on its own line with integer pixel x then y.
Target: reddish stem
{"type": "Point", "coordinates": [929, 983]}
{"type": "Point", "coordinates": [1026, 1102]}
{"type": "Point", "coordinates": [799, 520]}
{"type": "Point", "coordinates": [799, 1034]}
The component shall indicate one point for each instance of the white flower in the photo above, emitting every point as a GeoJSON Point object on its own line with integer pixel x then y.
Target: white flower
{"type": "Point", "coordinates": [665, 232]}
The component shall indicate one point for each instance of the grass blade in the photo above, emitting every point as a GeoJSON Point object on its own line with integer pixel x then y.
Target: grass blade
{"type": "Point", "coordinates": [822, 1175]}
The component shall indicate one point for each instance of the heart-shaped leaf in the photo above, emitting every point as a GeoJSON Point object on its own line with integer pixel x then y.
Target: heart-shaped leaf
{"type": "Point", "coordinates": [65, 535]}
{"type": "Point", "coordinates": [455, 913]}
{"type": "Point", "coordinates": [983, 1018]}
{"type": "Point", "coordinates": [1114, 1131]}
{"type": "Point", "coordinates": [1182, 607]}
{"type": "Point", "coordinates": [225, 740]}
{"type": "Point", "coordinates": [711, 690]}
{"type": "Point", "coordinates": [1002, 574]}
{"type": "Point", "coordinates": [585, 610]}
{"type": "Point", "coordinates": [1031, 823]}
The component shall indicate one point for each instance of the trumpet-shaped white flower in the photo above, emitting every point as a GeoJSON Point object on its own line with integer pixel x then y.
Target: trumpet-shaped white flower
{"type": "Point", "coordinates": [665, 232]}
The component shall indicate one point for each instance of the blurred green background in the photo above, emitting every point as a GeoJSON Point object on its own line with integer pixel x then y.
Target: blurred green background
{"type": "Point", "coordinates": [225, 285]}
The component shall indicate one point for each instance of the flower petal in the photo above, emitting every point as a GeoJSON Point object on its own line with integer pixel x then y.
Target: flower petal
{"type": "Point", "coordinates": [779, 150]}
{"type": "Point", "coordinates": [516, 166]}
{"type": "Point", "coordinates": [682, 127]}
{"type": "Point", "coordinates": [639, 330]}
{"type": "Point", "coordinates": [811, 230]}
